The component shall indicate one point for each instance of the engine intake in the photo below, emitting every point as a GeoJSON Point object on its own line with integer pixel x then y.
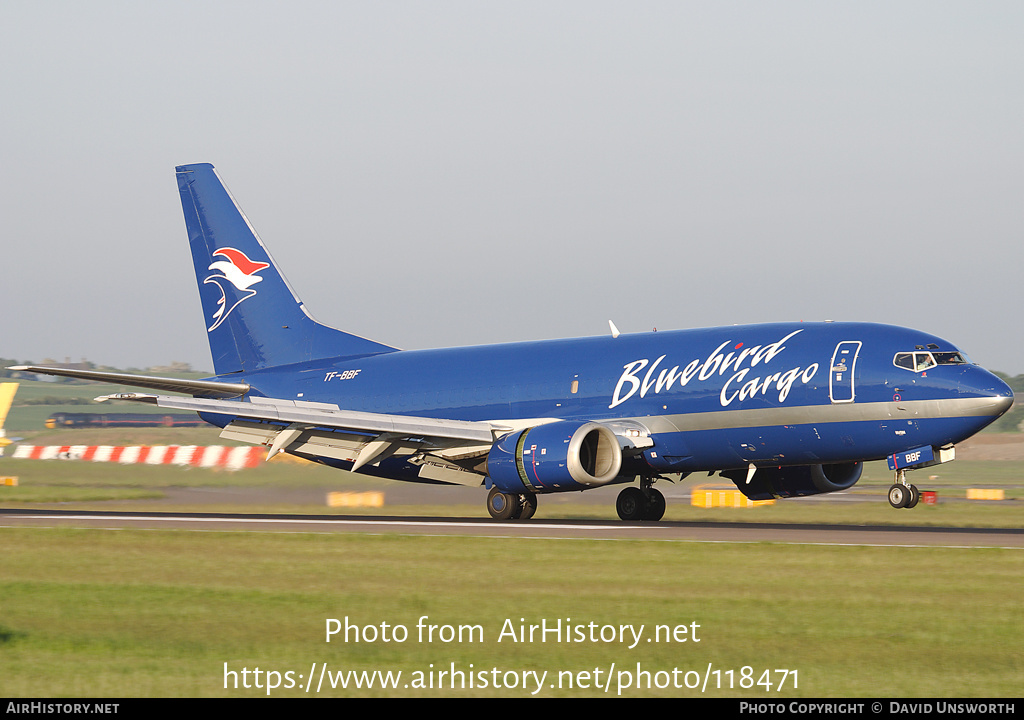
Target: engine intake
{"type": "Point", "coordinates": [797, 481]}
{"type": "Point", "coordinates": [557, 456]}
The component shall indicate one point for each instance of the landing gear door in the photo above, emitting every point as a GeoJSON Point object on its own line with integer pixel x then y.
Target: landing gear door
{"type": "Point", "coordinates": [840, 379]}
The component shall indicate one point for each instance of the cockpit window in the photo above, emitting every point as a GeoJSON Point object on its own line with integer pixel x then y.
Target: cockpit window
{"type": "Point", "coordinates": [921, 361]}
{"type": "Point", "coordinates": [914, 361]}
{"type": "Point", "coordinates": [950, 358]}
{"type": "Point", "coordinates": [904, 360]}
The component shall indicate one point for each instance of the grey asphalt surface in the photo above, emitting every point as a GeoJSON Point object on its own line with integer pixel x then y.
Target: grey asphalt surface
{"type": "Point", "coordinates": [717, 532]}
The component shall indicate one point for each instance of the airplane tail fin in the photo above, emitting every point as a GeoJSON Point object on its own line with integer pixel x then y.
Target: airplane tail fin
{"type": "Point", "coordinates": [254, 319]}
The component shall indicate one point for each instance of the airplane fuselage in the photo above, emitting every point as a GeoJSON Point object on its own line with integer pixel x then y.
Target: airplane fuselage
{"type": "Point", "coordinates": [712, 399]}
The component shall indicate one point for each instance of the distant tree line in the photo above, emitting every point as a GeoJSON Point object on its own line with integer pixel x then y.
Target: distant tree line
{"type": "Point", "coordinates": [55, 400]}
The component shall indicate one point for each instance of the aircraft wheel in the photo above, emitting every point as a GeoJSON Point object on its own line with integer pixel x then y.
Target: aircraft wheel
{"type": "Point", "coordinates": [899, 495]}
{"type": "Point", "coordinates": [915, 496]}
{"type": "Point", "coordinates": [631, 504]}
{"type": "Point", "coordinates": [529, 506]}
{"type": "Point", "coordinates": [502, 506]}
{"type": "Point", "coordinates": [655, 506]}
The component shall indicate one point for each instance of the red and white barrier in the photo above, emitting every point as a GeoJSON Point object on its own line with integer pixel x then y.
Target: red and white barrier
{"type": "Point", "coordinates": [207, 456]}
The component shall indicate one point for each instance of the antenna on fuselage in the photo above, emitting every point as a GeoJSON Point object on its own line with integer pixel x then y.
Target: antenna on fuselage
{"type": "Point", "coordinates": [615, 330]}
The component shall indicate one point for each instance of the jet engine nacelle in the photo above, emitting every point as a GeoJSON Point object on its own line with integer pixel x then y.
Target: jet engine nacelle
{"type": "Point", "coordinates": [557, 456]}
{"type": "Point", "coordinates": [798, 481]}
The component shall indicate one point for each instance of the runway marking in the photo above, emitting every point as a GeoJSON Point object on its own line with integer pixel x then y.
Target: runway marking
{"type": "Point", "coordinates": [306, 521]}
{"type": "Point", "coordinates": [494, 526]}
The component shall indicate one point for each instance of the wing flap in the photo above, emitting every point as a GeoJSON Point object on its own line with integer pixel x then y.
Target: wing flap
{"type": "Point", "coordinates": [434, 459]}
{"type": "Point", "coordinates": [311, 441]}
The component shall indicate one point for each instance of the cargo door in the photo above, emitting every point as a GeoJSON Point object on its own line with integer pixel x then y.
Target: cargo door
{"type": "Point", "coordinates": [840, 378]}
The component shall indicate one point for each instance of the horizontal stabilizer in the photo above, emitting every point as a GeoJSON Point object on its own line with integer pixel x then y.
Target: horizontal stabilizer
{"type": "Point", "coordinates": [196, 388]}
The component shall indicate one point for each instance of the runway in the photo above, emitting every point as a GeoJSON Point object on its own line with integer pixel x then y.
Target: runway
{"type": "Point", "coordinates": [709, 532]}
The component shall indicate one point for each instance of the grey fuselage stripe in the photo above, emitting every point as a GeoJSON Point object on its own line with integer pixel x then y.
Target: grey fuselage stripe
{"type": "Point", "coordinates": [826, 414]}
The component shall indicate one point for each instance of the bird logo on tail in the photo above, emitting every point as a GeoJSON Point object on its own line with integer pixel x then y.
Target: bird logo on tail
{"type": "Point", "coordinates": [236, 270]}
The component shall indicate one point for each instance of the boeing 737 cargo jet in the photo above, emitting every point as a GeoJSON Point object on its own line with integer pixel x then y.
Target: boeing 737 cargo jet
{"type": "Point", "coordinates": [782, 410]}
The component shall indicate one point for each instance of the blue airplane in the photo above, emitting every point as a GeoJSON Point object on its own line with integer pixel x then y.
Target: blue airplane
{"type": "Point", "coordinates": [782, 410]}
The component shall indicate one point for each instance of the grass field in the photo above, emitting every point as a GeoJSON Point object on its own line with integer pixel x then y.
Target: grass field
{"type": "Point", "coordinates": [154, 613]}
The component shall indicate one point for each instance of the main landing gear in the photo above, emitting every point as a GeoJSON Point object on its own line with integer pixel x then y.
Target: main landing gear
{"type": "Point", "coordinates": [641, 503]}
{"type": "Point", "coordinates": [902, 494]}
{"type": "Point", "coordinates": [634, 503]}
{"type": "Point", "coordinates": [511, 506]}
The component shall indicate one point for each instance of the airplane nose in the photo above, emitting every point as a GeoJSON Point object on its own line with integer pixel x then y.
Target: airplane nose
{"type": "Point", "coordinates": [982, 384]}
{"type": "Point", "coordinates": [1002, 404]}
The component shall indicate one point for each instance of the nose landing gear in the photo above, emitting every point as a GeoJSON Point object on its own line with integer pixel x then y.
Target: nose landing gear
{"type": "Point", "coordinates": [901, 493]}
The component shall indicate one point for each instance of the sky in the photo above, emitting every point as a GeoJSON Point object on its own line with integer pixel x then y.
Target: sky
{"type": "Point", "coordinates": [460, 173]}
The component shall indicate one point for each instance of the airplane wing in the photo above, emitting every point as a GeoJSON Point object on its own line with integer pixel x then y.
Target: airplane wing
{"type": "Point", "coordinates": [438, 449]}
{"type": "Point", "coordinates": [452, 451]}
{"type": "Point", "coordinates": [441, 449]}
